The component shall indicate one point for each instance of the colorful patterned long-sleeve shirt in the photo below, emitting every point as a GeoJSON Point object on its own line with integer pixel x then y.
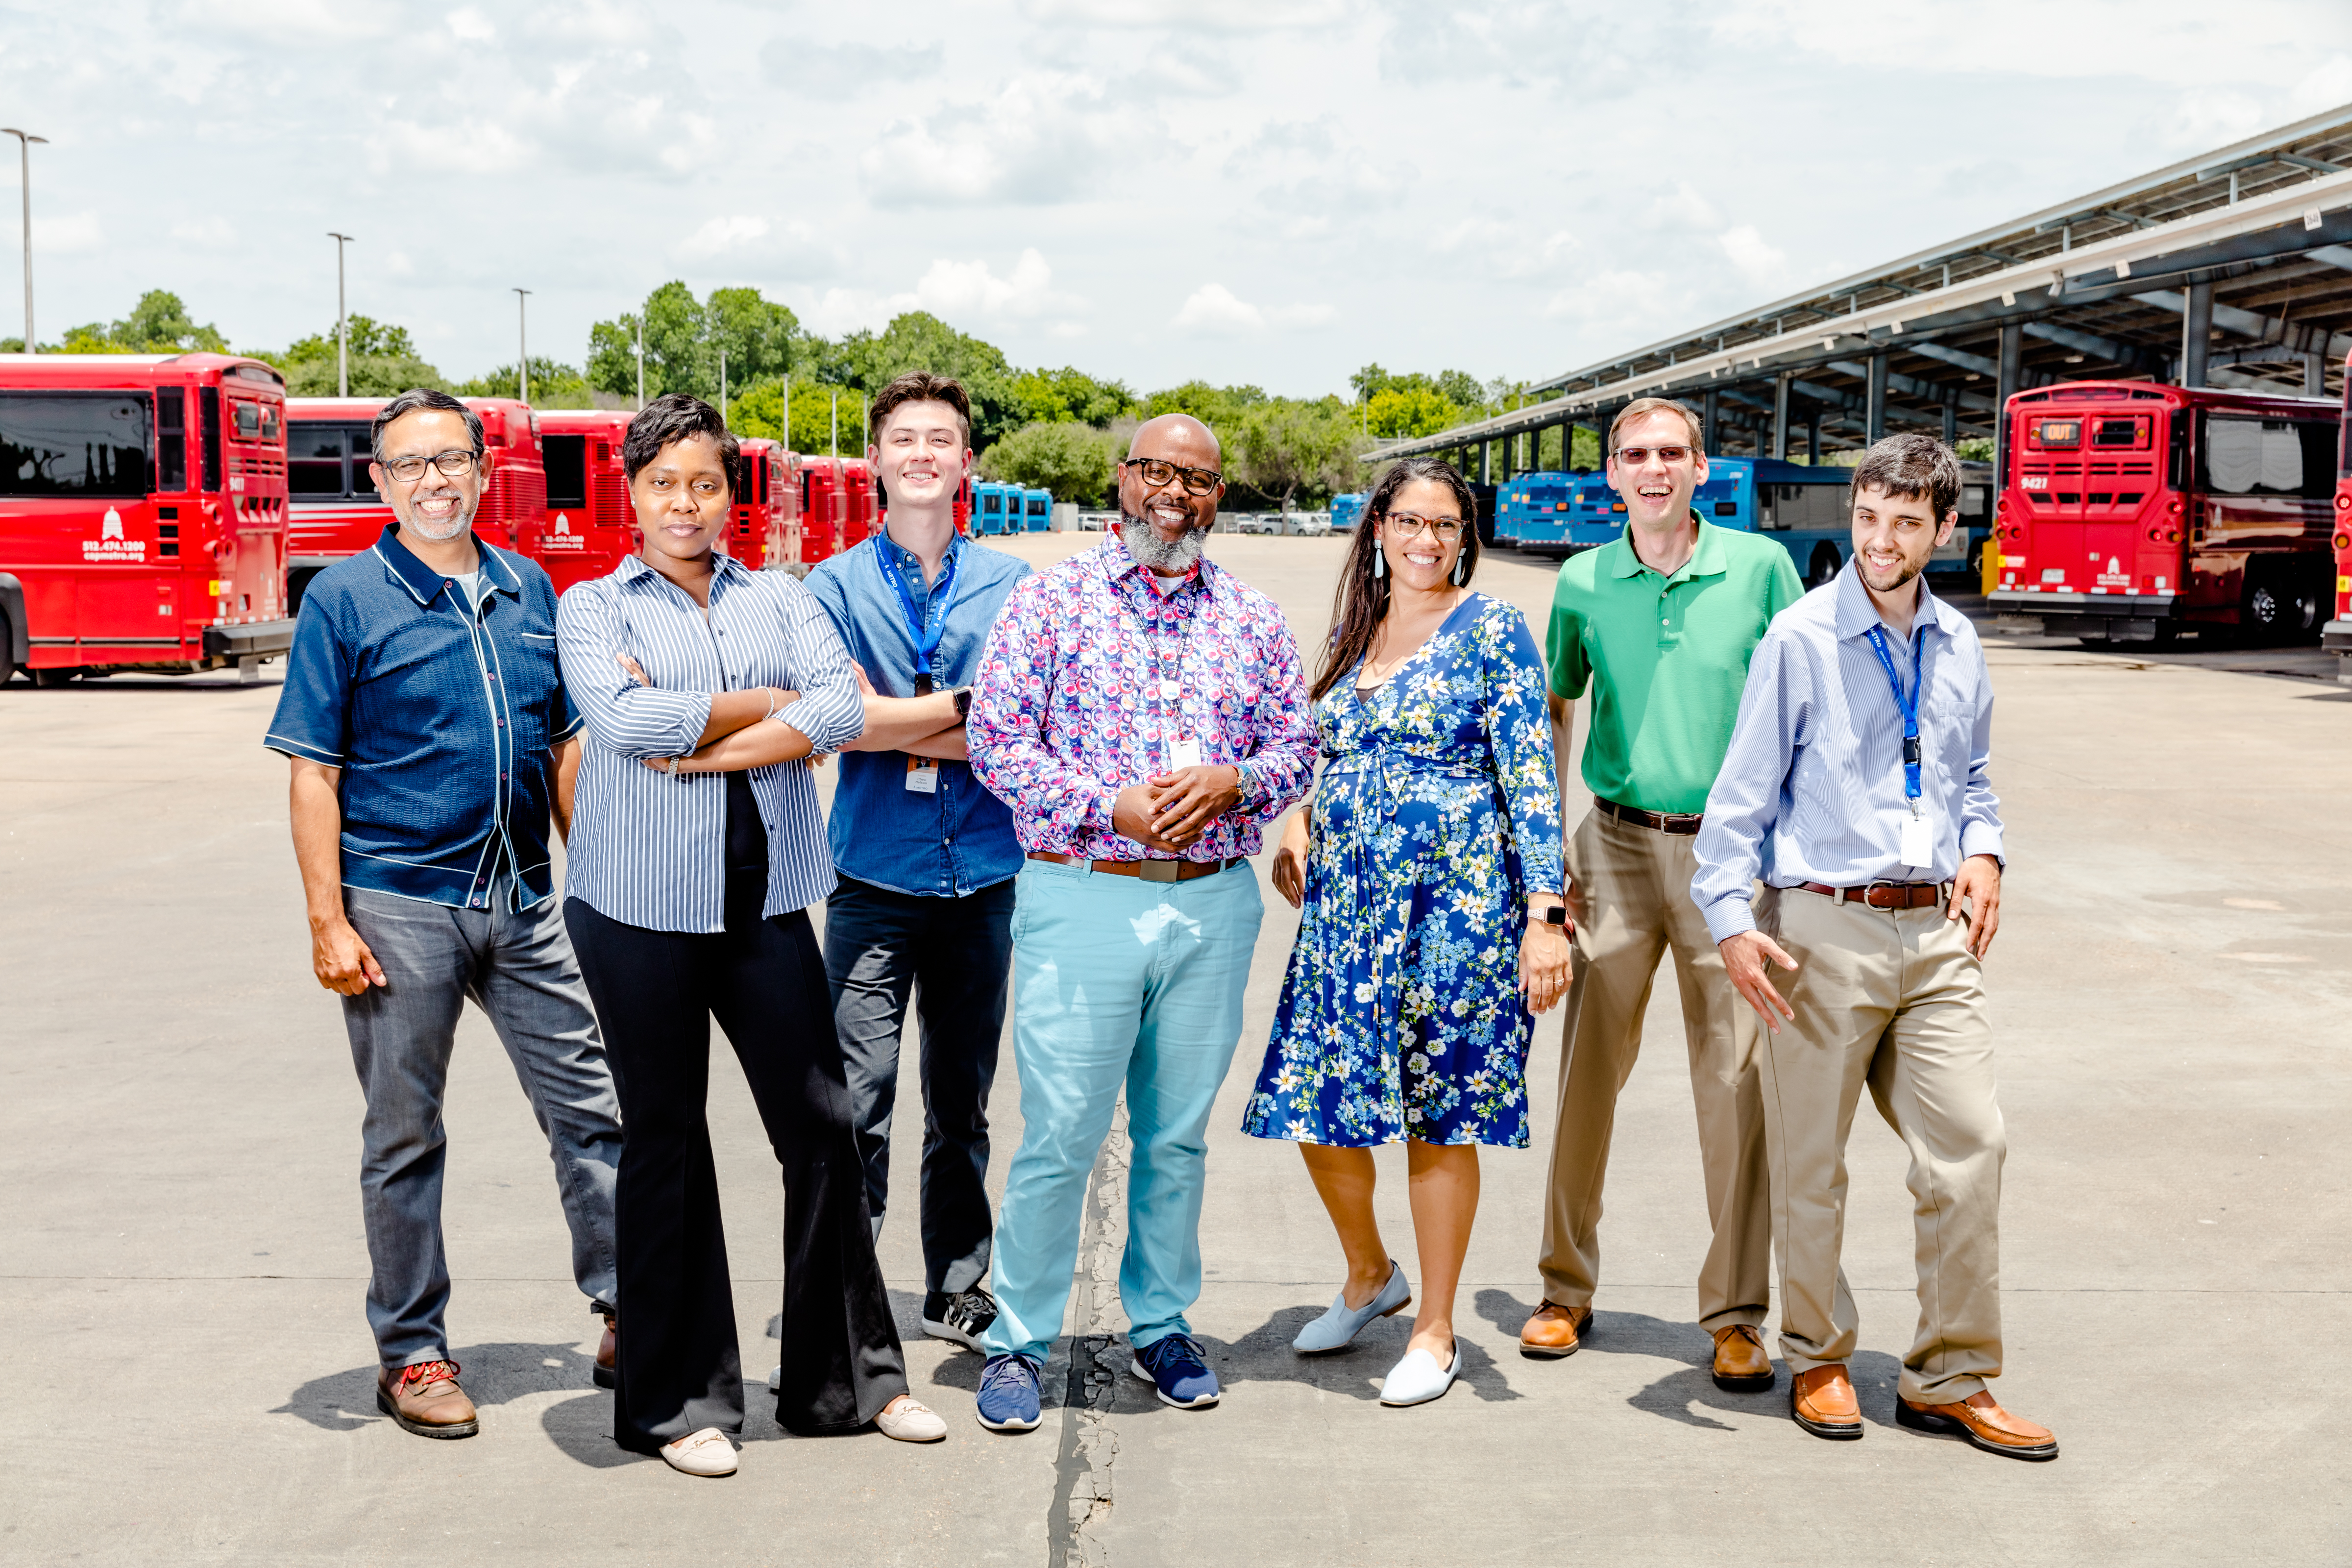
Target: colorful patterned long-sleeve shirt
{"type": "Point", "coordinates": [1097, 675]}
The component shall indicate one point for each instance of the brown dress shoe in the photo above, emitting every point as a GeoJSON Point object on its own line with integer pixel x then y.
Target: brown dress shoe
{"type": "Point", "coordinates": [1822, 1402]}
{"type": "Point", "coordinates": [1741, 1366]}
{"type": "Point", "coordinates": [425, 1399]}
{"type": "Point", "coordinates": [1554, 1331]}
{"type": "Point", "coordinates": [608, 1354]}
{"type": "Point", "coordinates": [1981, 1419]}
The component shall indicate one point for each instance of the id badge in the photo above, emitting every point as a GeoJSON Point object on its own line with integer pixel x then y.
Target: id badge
{"type": "Point", "coordinates": [1184, 751]}
{"type": "Point", "coordinates": [1918, 846]}
{"type": "Point", "coordinates": [923, 776]}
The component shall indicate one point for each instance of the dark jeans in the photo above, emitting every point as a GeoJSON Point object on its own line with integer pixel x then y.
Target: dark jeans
{"type": "Point", "coordinates": [680, 1364]}
{"type": "Point", "coordinates": [954, 955]}
{"type": "Point", "coordinates": [519, 971]}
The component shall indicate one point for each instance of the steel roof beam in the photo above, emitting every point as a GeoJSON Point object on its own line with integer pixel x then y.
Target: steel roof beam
{"type": "Point", "coordinates": [1938, 393]}
{"type": "Point", "coordinates": [2261, 329]}
{"type": "Point", "coordinates": [2113, 349]}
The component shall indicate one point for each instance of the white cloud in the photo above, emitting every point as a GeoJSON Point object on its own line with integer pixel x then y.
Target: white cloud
{"type": "Point", "coordinates": [1214, 310]}
{"type": "Point", "coordinates": [208, 232]}
{"type": "Point", "coordinates": [965, 293]}
{"type": "Point", "coordinates": [63, 234]}
{"type": "Point", "coordinates": [471, 25]}
{"type": "Point", "coordinates": [1215, 16]}
{"type": "Point", "coordinates": [1760, 263]}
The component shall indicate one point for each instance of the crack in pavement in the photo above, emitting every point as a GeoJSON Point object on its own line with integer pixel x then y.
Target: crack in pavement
{"type": "Point", "coordinates": [1082, 1466]}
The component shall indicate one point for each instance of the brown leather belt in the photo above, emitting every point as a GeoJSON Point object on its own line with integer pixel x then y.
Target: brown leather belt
{"type": "Point", "coordinates": [1683, 823]}
{"type": "Point", "coordinates": [1149, 871]}
{"type": "Point", "coordinates": [1888, 895]}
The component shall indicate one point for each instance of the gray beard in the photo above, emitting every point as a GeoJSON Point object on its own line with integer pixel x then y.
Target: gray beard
{"type": "Point", "coordinates": [1154, 554]}
{"type": "Point", "coordinates": [450, 530]}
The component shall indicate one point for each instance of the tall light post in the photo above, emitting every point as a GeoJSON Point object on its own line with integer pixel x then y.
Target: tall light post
{"type": "Point", "coordinates": [522, 344]}
{"type": "Point", "coordinates": [342, 322]}
{"type": "Point", "coordinates": [722, 383]}
{"type": "Point", "coordinates": [641, 367]}
{"type": "Point", "coordinates": [24, 139]}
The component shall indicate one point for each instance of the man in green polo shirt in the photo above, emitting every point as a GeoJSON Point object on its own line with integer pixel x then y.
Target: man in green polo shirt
{"type": "Point", "coordinates": [1660, 625]}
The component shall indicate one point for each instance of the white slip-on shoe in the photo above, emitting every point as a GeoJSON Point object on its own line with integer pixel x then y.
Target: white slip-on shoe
{"type": "Point", "coordinates": [1335, 1328]}
{"type": "Point", "coordinates": [776, 1381]}
{"type": "Point", "coordinates": [910, 1421]}
{"type": "Point", "coordinates": [704, 1453]}
{"type": "Point", "coordinates": [1418, 1379]}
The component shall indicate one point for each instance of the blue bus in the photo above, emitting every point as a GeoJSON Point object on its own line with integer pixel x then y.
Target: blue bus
{"type": "Point", "coordinates": [1345, 511]}
{"type": "Point", "coordinates": [1037, 511]}
{"type": "Point", "coordinates": [995, 509]}
{"type": "Point", "coordinates": [1805, 508]}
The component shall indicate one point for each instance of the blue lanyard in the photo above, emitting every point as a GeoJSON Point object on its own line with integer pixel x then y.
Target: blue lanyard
{"type": "Point", "coordinates": [1910, 704]}
{"type": "Point", "coordinates": [923, 630]}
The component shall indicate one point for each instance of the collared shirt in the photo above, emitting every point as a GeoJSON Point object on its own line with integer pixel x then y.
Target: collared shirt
{"type": "Point", "coordinates": [1811, 788]}
{"type": "Point", "coordinates": [439, 716]}
{"type": "Point", "coordinates": [1666, 654]}
{"type": "Point", "coordinates": [1072, 703]}
{"type": "Point", "coordinates": [650, 850]}
{"type": "Point", "coordinates": [959, 839]}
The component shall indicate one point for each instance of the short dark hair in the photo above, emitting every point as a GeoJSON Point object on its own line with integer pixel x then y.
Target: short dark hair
{"type": "Point", "coordinates": [918, 386]}
{"type": "Point", "coordinates": [1911, 466]}
{"type": "Point", "coordinates": [672, 417]}
{"type": "Point", "coordinates": [415, 400]}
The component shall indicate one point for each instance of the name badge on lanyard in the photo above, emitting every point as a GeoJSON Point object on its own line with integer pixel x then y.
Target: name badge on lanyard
{"type": "Point", "coordinates": [924, 630]}
{"type": "Point", "coordinates": [1917, 847]}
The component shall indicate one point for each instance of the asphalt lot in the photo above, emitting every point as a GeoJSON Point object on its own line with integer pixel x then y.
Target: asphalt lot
{"type": "Point", "coordinates": [186, 1374]}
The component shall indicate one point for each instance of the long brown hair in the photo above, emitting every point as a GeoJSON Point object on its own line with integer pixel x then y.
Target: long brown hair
{"type": "Point", "coordinates": [1361, 601]}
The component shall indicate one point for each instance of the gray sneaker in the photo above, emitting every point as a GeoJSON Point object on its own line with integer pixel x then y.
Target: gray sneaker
{"type": "Point", "coordinates": [962, 1316]}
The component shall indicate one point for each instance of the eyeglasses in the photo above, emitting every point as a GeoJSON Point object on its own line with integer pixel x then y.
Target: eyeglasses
{"type": "Point", "coordinates": [1409, 526]}
{"type": "Point", "coordinates": [1156, 473]}
{"type": "Point", "coordinates": [407, 470]}
{"type": "Point", "coordinates": [1634, 457]}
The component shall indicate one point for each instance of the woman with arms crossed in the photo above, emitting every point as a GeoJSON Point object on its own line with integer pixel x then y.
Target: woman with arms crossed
{"type": "Point", "coordinates": [696, 850]}
{"type": "Point", "coordinates": [1430, 874]}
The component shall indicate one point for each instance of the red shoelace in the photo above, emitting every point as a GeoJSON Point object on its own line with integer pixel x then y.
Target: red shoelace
{"type": "Point", "coordinates": [426, 1372]}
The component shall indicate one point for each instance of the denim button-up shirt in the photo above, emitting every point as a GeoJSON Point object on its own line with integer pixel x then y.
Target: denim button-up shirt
{"type": "Point", "coordinates": [439, 717]}
{"type": "Point", "coordinates": [958, 840]}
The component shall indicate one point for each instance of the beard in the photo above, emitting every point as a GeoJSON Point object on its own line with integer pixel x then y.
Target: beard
{"type": "Point", "coordinates": [459, 523]}
{"type": "Point", "coordinates": [1903, 574]}
{"type": "Point", "coordinates": [1170, 557]}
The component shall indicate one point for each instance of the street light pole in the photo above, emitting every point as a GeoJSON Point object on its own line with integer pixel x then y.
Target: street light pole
{"type": "Point", "coordinates": [641, 367]}
{"type": "Point", "coordinates": [522, 344]}
{"type": "Point", "coordinates": [722, 383]}
{"type": "Point", "coordinates": [24, 139]}
{"type": "Point", "coordinates": [342, 322]}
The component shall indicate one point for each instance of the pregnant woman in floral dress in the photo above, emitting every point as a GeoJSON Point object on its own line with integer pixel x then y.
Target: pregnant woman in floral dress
{"type": "Point", "coordinates": [1434, 930]}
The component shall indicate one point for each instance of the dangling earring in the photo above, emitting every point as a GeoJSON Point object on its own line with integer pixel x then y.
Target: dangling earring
{"type": "Point", "coordinates": [1379, 561]}
{"type": "Point", "coordinates": [1462, 569]}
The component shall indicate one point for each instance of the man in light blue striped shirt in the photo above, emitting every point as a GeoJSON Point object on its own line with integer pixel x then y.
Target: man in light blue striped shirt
{"type": "Point", "coordinates": [1856, 787]}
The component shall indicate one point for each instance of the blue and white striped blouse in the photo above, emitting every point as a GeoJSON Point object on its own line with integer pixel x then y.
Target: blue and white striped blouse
{"type": "Point", "coordinates": [650, 850]}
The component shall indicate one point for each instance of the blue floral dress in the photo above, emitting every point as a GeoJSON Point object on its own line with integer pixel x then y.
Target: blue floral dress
{"type": "Point", "coordinates": [1437, 811]}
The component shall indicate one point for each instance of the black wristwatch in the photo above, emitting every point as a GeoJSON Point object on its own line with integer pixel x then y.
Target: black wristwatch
{"type": "Point", "coordinates": [1556, 916]}
{"type": "Point", "coordinates": [963, 694]}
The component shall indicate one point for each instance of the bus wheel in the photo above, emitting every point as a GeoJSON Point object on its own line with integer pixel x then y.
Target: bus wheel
{"type": "Point", "coordinates": [1825, 565]}
{"type": "Point", "coordinates": [50, 680]}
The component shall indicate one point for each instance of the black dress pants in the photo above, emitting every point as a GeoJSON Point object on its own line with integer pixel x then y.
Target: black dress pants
{"type": "Point", "coordinates": [680, 1364]}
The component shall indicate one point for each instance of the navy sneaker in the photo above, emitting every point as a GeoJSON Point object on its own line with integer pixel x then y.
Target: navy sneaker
{"type": "Point", "coordinates": [1174, 1367]}
{"type": "Point", "coordinates": [1008, 1394]}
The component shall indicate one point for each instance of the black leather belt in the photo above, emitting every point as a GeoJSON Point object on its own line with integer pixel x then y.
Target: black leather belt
{"type": "Point", "coordinates": [1684, 823]}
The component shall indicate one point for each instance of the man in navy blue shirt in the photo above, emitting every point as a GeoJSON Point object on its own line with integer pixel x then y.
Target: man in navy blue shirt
{"type": "Point", "coordinates": [925, 856]}
{"type": "Point", "coordinates": [427, 724]}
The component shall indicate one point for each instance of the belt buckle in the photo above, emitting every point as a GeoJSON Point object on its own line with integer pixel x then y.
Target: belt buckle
{"type": "Point", "coordinates": [1894, 891]}
{"type": "Point", "coordinates": [1160, 871]}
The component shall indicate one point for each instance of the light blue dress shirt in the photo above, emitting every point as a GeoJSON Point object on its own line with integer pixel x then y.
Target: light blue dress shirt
{"type": "Point", "coordinates": [1812, 787]}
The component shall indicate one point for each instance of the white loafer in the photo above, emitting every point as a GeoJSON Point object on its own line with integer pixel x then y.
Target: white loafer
{"type": "Point", "coordinates": [1418, 1379]}
{"type": "Point", "coordinates": [704, 1453]}
{"type": "Point", "coordinates": [910, 1421]}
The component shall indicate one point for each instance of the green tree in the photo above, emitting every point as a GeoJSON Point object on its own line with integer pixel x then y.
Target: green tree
{"type": "Point", "coordinates": [1075, 460]}
{"type": "Point", "coordinates": [1282, 448]}
{"type": "Point", "coordinates": [371, 376]}
{"type": "Point", "coordinates": [921, 340]}
{"type": "Point", "coordinates": [1396, 411]}
{"type": "Point", "coordinates": [758, 410]}
{"type": "Point", "coordinates": [1218, 407]}
{"type": "Point", "coordinates": [552, 386]}
{"type": "Point", "coordinates": [1056, 397]}
{"type": "Point", "coordinates": [1973, 449]}
{"type": "Point", "coordinates": [158, 324]}
{"type": "Point", "coordinates": [758, 334]}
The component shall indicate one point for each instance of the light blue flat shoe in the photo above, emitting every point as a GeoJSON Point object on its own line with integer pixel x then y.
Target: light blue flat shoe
{"type": "Point", "coordinates": [1334, 1330]}
{"type": "Point", "coordinates": [1418, 1379]}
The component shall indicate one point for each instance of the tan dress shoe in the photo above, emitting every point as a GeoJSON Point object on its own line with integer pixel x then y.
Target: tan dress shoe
{"type": "Point", "coordinates": [1823, 1401]}
{"type": "Point", "coordinates": [425, 1399]}
{"type": "Point", "coordinates": [608, 1355]}
{"type": "Point", "coordinates": [1554, 1331]}
{"type": "Point", "coordinates": [1981, 1419]}
{"type": "Point", "coordinates": [706, 1452]}
{"type": "Point", "coordinates": [1741, 1366]}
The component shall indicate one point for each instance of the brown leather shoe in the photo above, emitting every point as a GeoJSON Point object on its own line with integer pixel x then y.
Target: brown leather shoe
{"type": "Point", "coordinates": [1741, 1366]}
{"type": "Point", "coordinates": [608, 1352]}
{"type": "Point", "coordinates": [425, 1400]}
{"type": "Point", "coordinates": [1981, 1419]}
{"type": "Point", "coordinates": [1554, 1331]}
{"type": "Point", "coordinates": [1822, 1402]}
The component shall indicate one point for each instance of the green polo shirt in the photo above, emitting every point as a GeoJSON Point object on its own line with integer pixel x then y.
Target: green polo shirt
{"type": "Point", "coordinates": [1666, 658]}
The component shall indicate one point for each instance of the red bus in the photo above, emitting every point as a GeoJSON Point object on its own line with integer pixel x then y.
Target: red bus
{"type": "Point", "coordinates": [2130, 512]}
{"type": "Point", "coordinates": [823, 509]}
{"type": "Point", "coordinates": [143, 514]}
{"type": "Point", "coordinates": [2336, 636]}
{"type": "Point", "coordinates": [335, 509]}
{"type": "Point", "coordinates": [766, 535]}
{"type": "Point", "coordinates": [857, 489]}
{"type": "Point", "coordinates": [589, 525]}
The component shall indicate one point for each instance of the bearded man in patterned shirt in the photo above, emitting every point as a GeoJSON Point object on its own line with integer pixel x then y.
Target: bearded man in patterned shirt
{"type": "Point", "coordinates": [1144, 713]}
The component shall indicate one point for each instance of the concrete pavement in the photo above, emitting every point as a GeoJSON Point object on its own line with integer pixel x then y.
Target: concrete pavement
{"type": "Point", "coordinates": [186, 1374]}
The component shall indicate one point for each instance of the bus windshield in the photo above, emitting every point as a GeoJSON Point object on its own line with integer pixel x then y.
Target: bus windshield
{"type": "Point", "coordinates": [74, 443]}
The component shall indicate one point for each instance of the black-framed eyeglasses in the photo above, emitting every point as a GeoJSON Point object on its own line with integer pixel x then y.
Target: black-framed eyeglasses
{"type": "Point", "coordinates": [1156, 473]}
{"type": "Point", "coordinates": [1634, 457]}
{"type": "Point", "coordinates": [1409, 525]}
{"type": "Point", "coordinates": [455, 464]}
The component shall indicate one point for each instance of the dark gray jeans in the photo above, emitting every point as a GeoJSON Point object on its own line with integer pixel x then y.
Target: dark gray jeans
{"type": "Point", "coordinates": [953, 956]}
{"type": "Point", "coordinates": [518, 967]}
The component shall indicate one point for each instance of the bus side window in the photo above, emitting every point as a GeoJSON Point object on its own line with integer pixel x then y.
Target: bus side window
{"type": "Point", "coordinates": [171, 438]}
{"type": "Point", "coordinates": [208, 398]}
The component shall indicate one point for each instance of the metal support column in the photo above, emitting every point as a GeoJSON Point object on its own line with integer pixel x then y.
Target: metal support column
{"type": "Point", "coordinates": [2197, 333]}
{"type": "Point", "coordinates": [1951, 424]}
{"type": "Point", "coordinates": [1875, 403]}
{"type": "Point", "coordinates": [1485, 462]}
{"type": "Point", "coordinates": [2314, 373]}
{"type": "Point", "coordinates": [1812, 434]}
{"type": "Point", "coordinates": [1780, 417]}
{"type": "Point", "coordinates": [2011, 368]}
{"type": "Point", "coordinates": [1710, 410]}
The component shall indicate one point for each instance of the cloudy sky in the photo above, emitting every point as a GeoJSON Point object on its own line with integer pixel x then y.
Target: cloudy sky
{"type": "Point", "coordinates": [1273, 191]}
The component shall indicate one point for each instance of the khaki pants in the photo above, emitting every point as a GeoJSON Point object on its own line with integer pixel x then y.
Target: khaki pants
{"type": "Point", "coordinates": [1891, 998]}
{"type": "Point", "coordinates": [1635, 887]}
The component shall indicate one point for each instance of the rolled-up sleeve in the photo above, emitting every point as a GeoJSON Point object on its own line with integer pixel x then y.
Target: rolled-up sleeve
{"type": "Point", "coordinates": [829, 710]}
{"type": "Point", "coordinates": [1746, 800]}
{"type": "Point", "coordinates": [623, 717]}
{"type": "Point", "coordinates": [314, 705]}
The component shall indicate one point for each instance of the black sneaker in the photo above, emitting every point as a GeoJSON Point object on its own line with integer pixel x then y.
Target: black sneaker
{"type": "Point", "coordinates": [962, 1316]}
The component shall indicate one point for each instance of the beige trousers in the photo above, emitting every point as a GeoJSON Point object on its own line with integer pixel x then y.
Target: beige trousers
{"type": "Point", "coordinates": [1635, 887]}
{"type": "Point", "coordinates": [1891, 998]}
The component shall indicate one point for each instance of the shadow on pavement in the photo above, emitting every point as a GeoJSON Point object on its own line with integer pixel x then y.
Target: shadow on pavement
{"type": "Point", "coordinates": [492, 1375]}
